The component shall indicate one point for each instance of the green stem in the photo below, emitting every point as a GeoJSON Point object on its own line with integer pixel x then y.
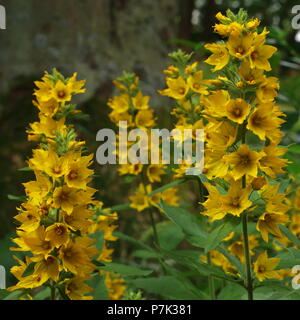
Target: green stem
{"type": "Point", "coordinates": [53, 293]}
{"type": "Point", "coordinates": [155, 234]}
{"type": "Point", "coordinates": [248, 283]}
{"type": "Point", "coordinates": [211, 284]}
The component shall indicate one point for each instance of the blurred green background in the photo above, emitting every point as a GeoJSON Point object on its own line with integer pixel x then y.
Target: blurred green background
{"type": "Point", "coordinates": [99, 39]}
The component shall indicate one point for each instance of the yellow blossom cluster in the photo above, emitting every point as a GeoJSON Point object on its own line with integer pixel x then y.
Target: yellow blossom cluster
{"type": "Point", "coordinates": [57, 218]}
{"type": "Point", "coordinates": [241, 121]}
{"type": "Point", "coordinates": [132, 106]}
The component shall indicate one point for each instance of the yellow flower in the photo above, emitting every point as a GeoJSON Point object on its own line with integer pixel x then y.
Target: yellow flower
{"type": "Point", "coordinates": [213, 204]}
{"type": "Point", "coordinates": [115, 286]}
{"type": "Point", "coordinates": [78, 219]}
{"type": "Point", "coordinates": [264, 267]}
{"type": "Point", "coordinates": [38, 189]}
{"type": "Point", "coordinates": [267, 223]}
{"type": "Point", "coordinates": [216, 164]}
{"type": "Point", "coordinates": [115, 117]}
{"type": "Point", "coordinates": [76, 289]}
{"type": "Point", "coordinates": [44, 91]}
{"type": "Point", "coordinates": [29, 217]}
{"type": "Point", "coordinates": [261, 52]}
{"type": "Point", "coordinates": [34, 241]}
{"type": "Point", "coordinates": [263, 120]}
{"type": "Point", "coordinates": [140, 102]}
{"type": "Point", "coordinates": [267, 90]}
{"type": "Point", "coordinates": [270, 163]}
{"type": "Point", "coordinates": [33, 281]}
{"type": "Point", "coordinates": [250, 75]}
{"type": "Point", "coordinates": [73, 257]}
{"type": "Point", "coordinates": [237, 247]}
{"type": "Point", "coordinates": [220, 136]}
{"type": "Point", "coordinates": [48, 266]}
{"type": "Point", "coordinates": [196, 82]}
{"type": "Point", "coordinates": [130, 169]}
{"type": "Point", "coordinates": [46, 127]}
{"type": "Point", "coordinates": [154, 171]}
{"type": "Point", "coordinates": [222, 18]}
{"type": "Point", "coordinates": [57, 234]}
{"type": "Point", "coordinates": [236, 200]}
{"type": "Point", "coordinates": [240, 46]}
{"type": "Point", "coordinates": [144, 118]}
{"type": "Point", "coordinates": [62, 92]}
{"type": "Point", "coordinates": [56, 166]}
{"type": "Point", "coordinates": [233, 28]}
{"type": "Point", "coordinates": [215, 103]}
{"type": "Point", "coordinates": [65, 198]}
{"type": "Point", "coordinates": [48, 108]}
{"type": "Point", "coordinates": [177, 88]}
{"type": "Point", "coordinates": [78, 173]}
{"type": "Point", "coordinates": [170, 197]}
{"type": "Point", "coordinates": [258, 182]}
{"type": "Point", "coordinates": [76, 86]}
{"type": "Point", "coordinates": [237, 110]}
{"type": "Point", "coordinates": [220, 56]}
{"type": "Point", "coordinates": [253, 24]}
{"type": "Point", "coordinates": [119, 104]}
{"type": "Point", "coordinates": [140, 200]}
{"type": "Point", "coordinates": [243, 162]}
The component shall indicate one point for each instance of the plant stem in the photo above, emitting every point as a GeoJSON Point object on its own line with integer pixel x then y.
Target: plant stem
{"type": "Point", "coordinates": [53, 292]}
{"type": "Point", "coordinates": [248, 282]}
{"type": "Point", "coordinates": [211, 284]}
{"type": "Point", "coordinates": [155, 234]}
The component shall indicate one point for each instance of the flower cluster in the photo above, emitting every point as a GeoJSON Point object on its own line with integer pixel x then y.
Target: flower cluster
{"type": "Point", "coordinates": [132, 106]}
{"type": "Point", "coordinates": [241, 121]}
{"type": "Point", "coordinates": [57, 218]}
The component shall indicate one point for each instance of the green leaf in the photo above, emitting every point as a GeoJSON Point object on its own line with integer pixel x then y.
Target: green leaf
{"type": "Point", "coordinates": [99, 237]}
{"type": "Point", "coordinates": [167, 186]}
{"type": "Point", "coordinates": [232, 291]}
{"type": "Point", "coordinates": [125, 270]}
{"type": "Point", "coordinates": [145, 254]}
{"type": "Point", "coordinates": [120, 207]}
{"type": "Point", "coordinates": [295, 148]}
{"type": "Point", "coordinates": [98, 284]}
{"type": "Point", "coordinates": [29, 270]}
{"type": "Point", "coordinates": [138, 243]}
{"type": "Point", "coordinates": [289, 235]}
{"type": "Point", "coordinates": [43, 294]}
{"type": "Point", "coordinates": [3, 293]}
{"type": "Point", "coordinates": [219, 233]}
{"type": "Point", "coordinates": [16, 198]}
{"type": "Point", "coordinates": [25, 169]}
{"type": "Point", "coordinates": [233, 260]}
{"type": "Point", "coordinates": [166, 286]}
{"type": "Point", "coordinates": [188, 223]}
{"type": "Point", "coordinates": [195, 263]}
{"type": "Point", "coordinates": [15, 295]}
{"type": "Point", "coordinates": [169, 235]}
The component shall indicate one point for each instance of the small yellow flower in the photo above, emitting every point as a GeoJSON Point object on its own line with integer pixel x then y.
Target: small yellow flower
{"type": "Point", "coordinates": [220, 56]}
{"type": "Point", "coordinates": [244, 162]}
{"type": "Point", "coordinates": [264, 267]}
{"type": "Point", "coordinates": [240, 46]}
{"type": "Point", "coordinates": [57, 234]}
{"type": "Point", "coordinates": [62, 92]}
{"type": "Point", "coordinates": [140, 200]}
{"type": "Point", "coordinates": [177, 88]}
{"type": "Point", "coordinates": [237, 110]}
